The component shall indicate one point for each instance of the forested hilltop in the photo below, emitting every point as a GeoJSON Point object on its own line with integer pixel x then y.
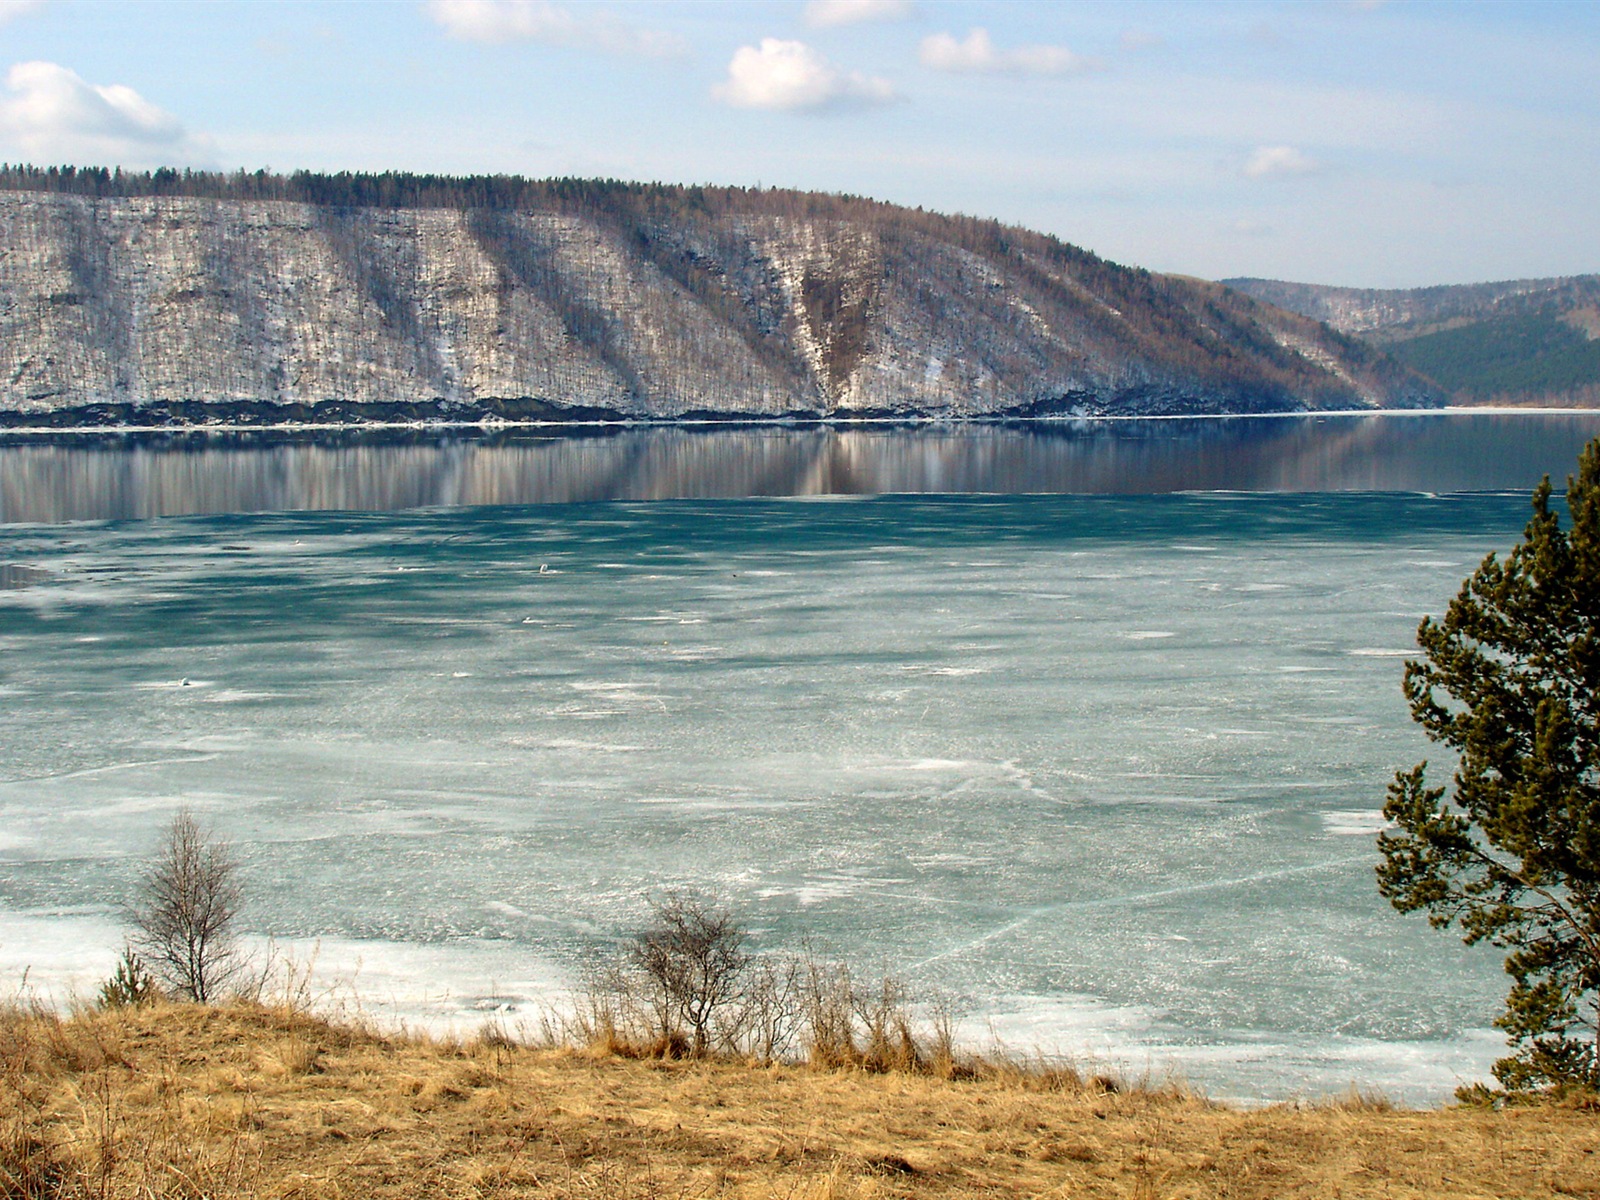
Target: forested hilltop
{"type": "Point", "coordinates": [161, 297]}
{"type": "Point", "coordinates": [1522, 341]}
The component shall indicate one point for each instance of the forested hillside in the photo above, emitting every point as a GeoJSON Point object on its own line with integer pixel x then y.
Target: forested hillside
{"type": "Point", "coordinates": [1525, 341]}
{"type": "Point", "coordinates": [168, 296]}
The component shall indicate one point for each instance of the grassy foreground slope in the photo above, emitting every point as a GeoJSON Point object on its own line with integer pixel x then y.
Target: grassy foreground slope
{"type": "Point", "coordinates": [184, 1101]}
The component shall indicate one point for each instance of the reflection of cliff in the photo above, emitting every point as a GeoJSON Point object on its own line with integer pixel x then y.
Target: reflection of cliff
{"type": "Point", "coordinates": [632, 303]}
{"type": "Point", "coordinates": [51, 481]}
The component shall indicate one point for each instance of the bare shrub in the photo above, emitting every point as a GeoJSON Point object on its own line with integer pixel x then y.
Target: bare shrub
{"type": "Point", "coordinates": [889, 1041]}
{"type": "Point", "coordinates": [769, 1018]}
{"type": "Point", "coordinates": [828, 1004]}
{"type": "Point", "coordinates": [693, 961]}
{"type": "Point", "coordinates": [850, 1025]}
{"type": "Point", "coordinates": [185, 910]}
{"type": "Point", "coordinates": [688, 985]}
{"type": "Point", "coordinates": [601, 1020]}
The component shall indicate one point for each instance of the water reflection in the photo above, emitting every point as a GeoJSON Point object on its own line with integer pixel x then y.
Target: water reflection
{"type": "Point", "coordinates": [77, 477]}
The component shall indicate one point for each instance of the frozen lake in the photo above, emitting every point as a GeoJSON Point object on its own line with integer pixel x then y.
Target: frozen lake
{"type": "Point", "coordinates": [1106, 769]}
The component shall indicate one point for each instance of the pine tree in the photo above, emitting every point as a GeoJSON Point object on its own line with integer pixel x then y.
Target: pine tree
{"type": "Point", "coordinates": [1510, 682]}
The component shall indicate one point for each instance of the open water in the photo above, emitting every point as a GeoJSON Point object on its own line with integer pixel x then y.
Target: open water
{"type": "Point", "coordinates": [1104, 769]}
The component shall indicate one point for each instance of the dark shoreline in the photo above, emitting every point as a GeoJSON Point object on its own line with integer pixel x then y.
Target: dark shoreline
{"type": "Point", "coordinates": [18, 428]}
{"type": "Point", "coordinates": [1145, 401]}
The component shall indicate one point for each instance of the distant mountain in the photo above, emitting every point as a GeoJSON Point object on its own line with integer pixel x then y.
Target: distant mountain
{"type": "Point", "coordinates": [1525, 341]}
{"type": "Point", "coordinates": [166, 297]}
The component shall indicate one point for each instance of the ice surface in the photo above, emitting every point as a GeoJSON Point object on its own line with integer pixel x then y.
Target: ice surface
{"type": "Point", "coordinates": [1104, 770]}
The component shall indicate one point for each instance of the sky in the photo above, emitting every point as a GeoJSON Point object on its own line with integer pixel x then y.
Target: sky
{"type": "Point", "coordinates": [1371, 143]}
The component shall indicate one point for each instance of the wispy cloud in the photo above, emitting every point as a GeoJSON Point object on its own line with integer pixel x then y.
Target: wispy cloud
{"type": "Point", "coordinates": [977, 54]}
{"type": "Point", "coordinates": [792, 77]}
{"type": "Point", "coordinates": [53, 114]}
{"type": "Point", "coordinates": [827, 14]}
{"type": "Point", "coordinates": [1269, 161]}
{"type": "Point", "coordinates": [501, 21]}
{"type": "Point", "coordinates": [10, 10]}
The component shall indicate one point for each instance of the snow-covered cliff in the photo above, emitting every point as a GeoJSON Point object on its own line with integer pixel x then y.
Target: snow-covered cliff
{"type": "Point", "coordinates": [161, 308]}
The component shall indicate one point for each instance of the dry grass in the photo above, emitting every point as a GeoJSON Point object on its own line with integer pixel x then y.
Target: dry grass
{"type": "Point", "coordinates": [183, 1101]}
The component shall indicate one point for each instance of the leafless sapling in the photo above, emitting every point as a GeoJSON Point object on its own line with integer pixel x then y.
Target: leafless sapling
{"type": "Point", "coordinates": [694, 959]}
{"type": "Point", "coordinates": [184, 913]}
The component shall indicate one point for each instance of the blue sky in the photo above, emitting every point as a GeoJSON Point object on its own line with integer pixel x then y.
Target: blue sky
{"type": "Point", "coordinates": [1336, 141]}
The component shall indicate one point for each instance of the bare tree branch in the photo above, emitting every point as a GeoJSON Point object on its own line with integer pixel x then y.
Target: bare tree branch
{"type": "Point", "coordinates": [184, 914]}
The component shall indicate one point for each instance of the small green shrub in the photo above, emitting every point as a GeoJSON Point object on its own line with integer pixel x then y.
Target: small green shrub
{"type": "Point", "coordinates": [131, 983]}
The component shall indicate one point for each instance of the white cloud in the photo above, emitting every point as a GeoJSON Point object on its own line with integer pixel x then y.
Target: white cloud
{"type": "Point", "coordinates": [1268, 161]}
{"type": "Point", "coordinates": [977, 54]}
{"type": "Point", "coordinates": [499, 21]}
{"type": "Point", "coordinates": [791, 76]}
{"type": "Point", "coordinates": [54, 115]}
{"type": "Point", "coordinates": [10, 10]}
{"type": "Point", "coordinates": [827, 14]}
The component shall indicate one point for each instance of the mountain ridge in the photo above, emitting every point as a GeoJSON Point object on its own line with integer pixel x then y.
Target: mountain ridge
{"type": "Point", "coordinates": [1521, 341]}
{"type": "Point", "coordinates": [200, 298]}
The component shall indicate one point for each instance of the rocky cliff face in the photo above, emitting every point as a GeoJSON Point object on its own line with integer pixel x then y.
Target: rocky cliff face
{"type": "Point", "coordinates": [160, 308]}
